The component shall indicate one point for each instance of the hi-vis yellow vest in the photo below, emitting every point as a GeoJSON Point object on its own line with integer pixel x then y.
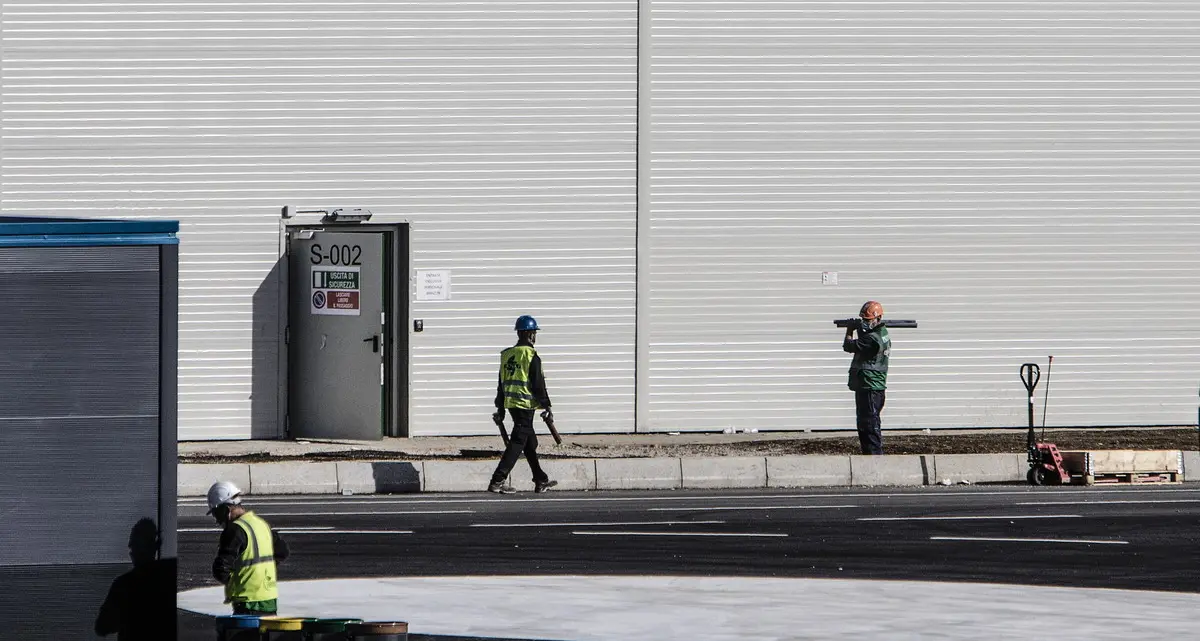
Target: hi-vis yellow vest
{"type": "Point", "coordinates": [254, 577]}
{"type": "Point", "coordinates": [514, 375]}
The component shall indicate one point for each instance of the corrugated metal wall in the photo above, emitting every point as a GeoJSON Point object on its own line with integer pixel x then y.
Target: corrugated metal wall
{"type": "Point", "coordinates": [504, 131]}
{"type": "Point", "coordinates": [1021, 177]}
{"type": "Point", "coordinates": [1018, 176]}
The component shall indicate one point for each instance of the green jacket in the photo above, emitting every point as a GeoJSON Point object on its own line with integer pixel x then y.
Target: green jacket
{"type": "Point", "coordinates": [869, 367]}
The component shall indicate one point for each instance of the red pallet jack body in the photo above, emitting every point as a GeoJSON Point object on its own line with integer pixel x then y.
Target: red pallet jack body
{"type": "Point", "coordinates": [1045, 464]}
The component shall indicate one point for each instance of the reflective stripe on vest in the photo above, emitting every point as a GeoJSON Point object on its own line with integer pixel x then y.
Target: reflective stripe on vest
{"type": "Point", "coordinates": [253, 576]}
{"type": "Point", "coordinates": [515, 363]}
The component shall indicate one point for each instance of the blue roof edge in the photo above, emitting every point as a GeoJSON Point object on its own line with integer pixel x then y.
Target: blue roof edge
{"type": "Point", "coordinates": [35, 226]}
{"type": "Point", "coordinates": [87, 240]}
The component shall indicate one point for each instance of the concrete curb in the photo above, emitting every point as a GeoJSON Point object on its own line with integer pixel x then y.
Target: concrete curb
{"type": "Point", "coordinates": [396, 477]}
{"type": "Point", "coordinates": [808, 471]}
{"type": "Point", "coordinates": [975, 468]}
{"type": "Point", "coordinates": [194, 479]}
{"type": "Point", "coordinates": [724, 471]}
{"type": "Point", "coordinates": [293, 478]}
{"type": "Point", "coordinates": [639, 474]}
{"type": "Point", "coordinates": [903, 469]}
{"type": "Point", "coordinates": [1191, 466]}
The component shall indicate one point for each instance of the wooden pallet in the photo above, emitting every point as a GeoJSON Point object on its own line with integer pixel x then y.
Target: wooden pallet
{"type": "Point", "coordinates": [1107, 467]}
{"type": "Point", "coordinates": [1131, 478]}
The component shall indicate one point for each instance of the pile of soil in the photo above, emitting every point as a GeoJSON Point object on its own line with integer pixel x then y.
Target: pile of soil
{"type": "Point", "coordinates": [982, 443]}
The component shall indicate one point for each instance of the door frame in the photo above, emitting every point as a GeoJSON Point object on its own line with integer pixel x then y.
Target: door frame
{"type": "Point", "coordinates": [397, 357]}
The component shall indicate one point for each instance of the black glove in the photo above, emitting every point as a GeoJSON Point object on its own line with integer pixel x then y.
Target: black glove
{"type": "Point", "coordinates": [498, 417]}
{"type": "Point", "coordinates": [547, 415]}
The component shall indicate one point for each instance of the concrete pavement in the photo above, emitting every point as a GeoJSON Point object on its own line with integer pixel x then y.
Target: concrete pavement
{"type": "Point", "coordinates": [649, 608]}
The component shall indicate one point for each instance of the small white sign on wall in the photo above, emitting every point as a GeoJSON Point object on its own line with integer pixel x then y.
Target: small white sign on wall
{"type": "Point", "coordinates": [828, 278]}
{"type": "Point", "coordinates": [433, 284]}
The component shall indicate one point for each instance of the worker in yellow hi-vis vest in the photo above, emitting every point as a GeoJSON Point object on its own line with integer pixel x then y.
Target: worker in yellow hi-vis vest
{"type": "Point", "coordinates": [247, 553]}
{"type": "Point", "coordinates": [521, 390]}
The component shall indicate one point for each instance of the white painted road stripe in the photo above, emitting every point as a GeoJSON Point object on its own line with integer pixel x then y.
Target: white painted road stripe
{"type": "Point", "coordinates": [748, 507]}
{"type": "Point", "coordinates": [386, 498]}
{"type": "Point", "coordinates": [972, 538]}
{"type": "Point", "coordinates": [596, 524]}
{"type": "Point", "coordinates": [1112, 502]}
{"type": "Point", "coordinates": [587, 533]}
{"type": "Point", "coordinates": [968, 518]}
{"type": "Point", "coordinates": [371, 513]}
{"type": "Point", "coordinates": [287, 531]}
{"type": "Point", "coordinates": [292, 529]}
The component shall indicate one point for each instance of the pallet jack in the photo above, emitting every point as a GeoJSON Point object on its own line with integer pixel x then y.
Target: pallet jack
{"type": "Point", "coordinates": [1045, 461]}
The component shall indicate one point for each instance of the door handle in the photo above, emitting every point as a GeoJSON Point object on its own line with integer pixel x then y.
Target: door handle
{"type": "Point", "coordinates": [374, 341]}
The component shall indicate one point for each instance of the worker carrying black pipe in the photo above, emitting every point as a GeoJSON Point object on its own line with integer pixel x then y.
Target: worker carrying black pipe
{"type": "Point", "coordinates": [868, 373]}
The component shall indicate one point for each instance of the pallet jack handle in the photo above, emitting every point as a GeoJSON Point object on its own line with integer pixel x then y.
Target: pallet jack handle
{"type": "Point", "coordinates": [1030, 375]}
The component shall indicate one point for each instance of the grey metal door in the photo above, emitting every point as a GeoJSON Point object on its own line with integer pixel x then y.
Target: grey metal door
{"type": "Point", "coordinates": [335, 342]}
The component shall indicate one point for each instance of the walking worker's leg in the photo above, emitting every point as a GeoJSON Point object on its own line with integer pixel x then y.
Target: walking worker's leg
{"type": "Point", "coordinates": [516, 445]}
{"type": "Point", "coordinates": [531, 455]}
{"type": "Point", "coordinates": [521, 431]}
{"type": "Point", "coordinates": [862, 418]}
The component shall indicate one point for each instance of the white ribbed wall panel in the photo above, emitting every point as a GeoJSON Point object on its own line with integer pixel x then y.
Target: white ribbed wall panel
{"type": "Point", "coordinates": [504, 131]}
{"type": "Point", "coordinates": [1020, 177]}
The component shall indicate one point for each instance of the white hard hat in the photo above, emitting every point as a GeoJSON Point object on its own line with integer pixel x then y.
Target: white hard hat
{"type": "Point", "coordinates": [223, 493]}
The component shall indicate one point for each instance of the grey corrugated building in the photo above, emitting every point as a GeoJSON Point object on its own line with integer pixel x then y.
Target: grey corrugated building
{"type": "Point", "coordinates": [684, 193]}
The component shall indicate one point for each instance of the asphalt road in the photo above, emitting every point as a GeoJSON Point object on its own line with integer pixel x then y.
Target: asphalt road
{"type": "Point", "coordinates": [1117, 537]}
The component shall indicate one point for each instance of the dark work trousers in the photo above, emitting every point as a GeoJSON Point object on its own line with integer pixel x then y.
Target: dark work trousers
{"type": "Point", "coordinates": [867, 405]}
{"type": "Point", "coordinates": [522, 439]}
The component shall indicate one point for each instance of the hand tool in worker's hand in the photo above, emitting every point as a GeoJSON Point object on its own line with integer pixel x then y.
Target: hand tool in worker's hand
{"type": "Point", "coordinates": [498, 419]}
{"type": "Point", "coordinates": [548, 416]}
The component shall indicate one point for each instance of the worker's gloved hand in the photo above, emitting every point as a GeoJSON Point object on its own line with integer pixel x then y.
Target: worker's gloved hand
{"type": "Point", "coordinates": [547, 415]}
{"type": "Point", "coordinates": [498, 417]}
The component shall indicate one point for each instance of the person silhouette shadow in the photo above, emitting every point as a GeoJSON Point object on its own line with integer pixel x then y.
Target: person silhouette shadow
{"type": "Point", "coordinates": [140, 605]}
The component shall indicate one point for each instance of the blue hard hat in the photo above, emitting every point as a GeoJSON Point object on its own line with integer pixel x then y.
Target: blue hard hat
{"type": "Point", "coordinates": [526, 324]}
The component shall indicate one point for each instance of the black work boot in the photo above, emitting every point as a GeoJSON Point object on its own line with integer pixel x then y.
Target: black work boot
{"type": "Point", "coordinates": [542, 486]}
{"type": "Point", "coordinates": [500, 488]}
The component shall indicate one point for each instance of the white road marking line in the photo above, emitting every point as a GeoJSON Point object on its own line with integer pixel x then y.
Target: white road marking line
{"type": "Point", "coordinates": [1111, 502]}
{"type": "Point", "coordinates": [315, 529]}
{"type": "Point", "coordinates": [596, 524]}
{"type": "Point", "coordinates": [269, 513]}
{"type": "Point", "coordinates": [968, 518]}
{"type": "Point", "coordinates": [1000, 540]}
{"type": "Point", "coordinates": [748, 507]}
{"type": "Point", "coordinates": [290, 529]}
{"type": "Point", "coordinates": [600, 533]}
{"type": "Point", "coordinates": [386, 498]}
{"type": "Point", "coordinates": [287, 531]}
